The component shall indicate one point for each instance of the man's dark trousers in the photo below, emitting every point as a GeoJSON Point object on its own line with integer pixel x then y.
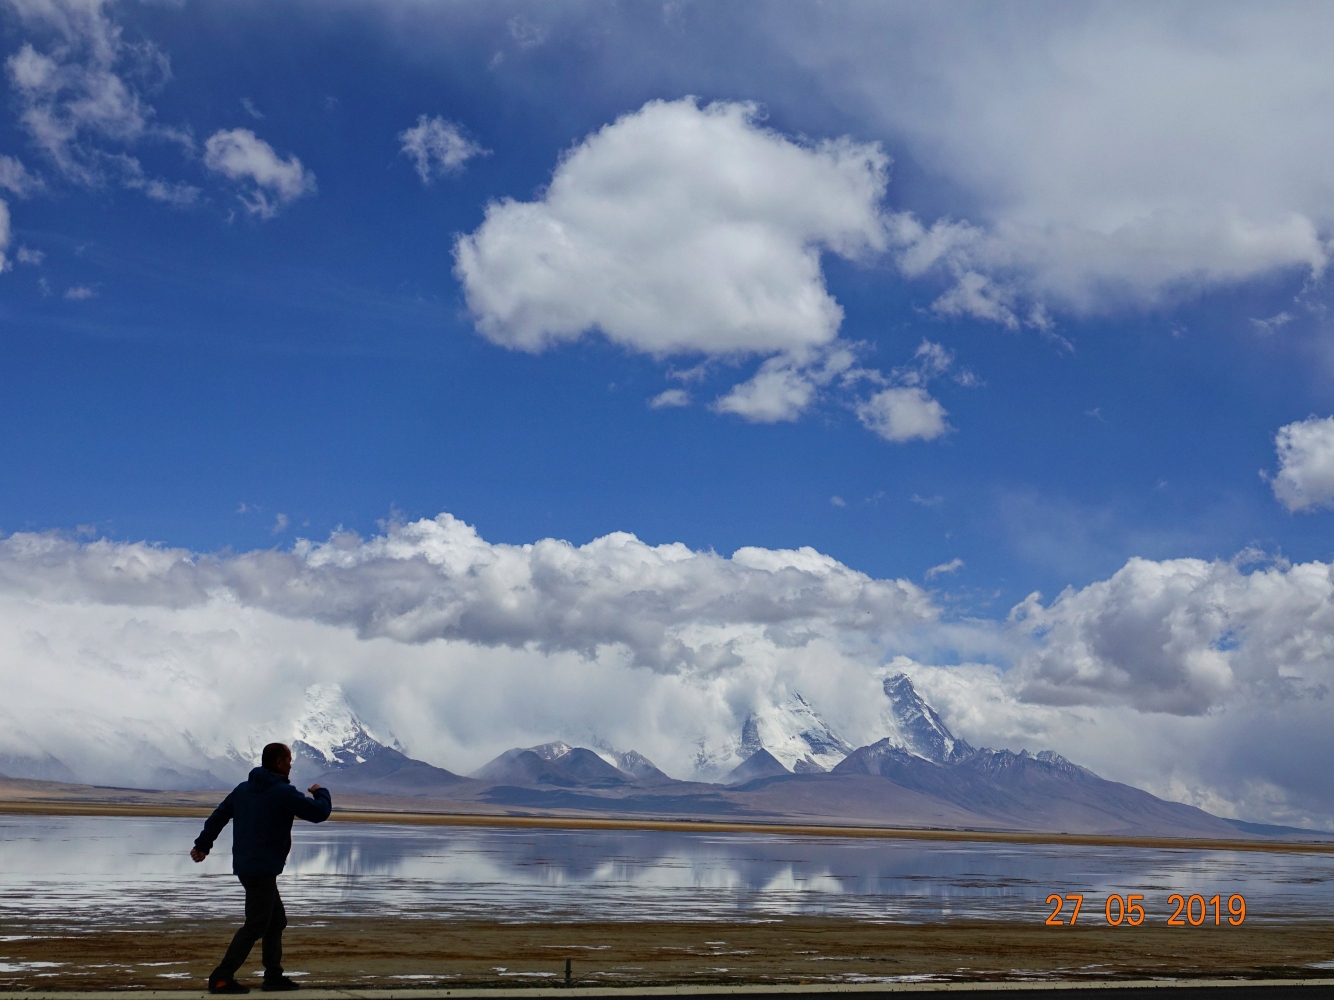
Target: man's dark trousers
{"type": "Point", "coordinates": [264, 918]}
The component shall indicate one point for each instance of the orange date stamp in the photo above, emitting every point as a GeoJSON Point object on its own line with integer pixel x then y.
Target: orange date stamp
{"type": "Point", "coordinates": [1190, 911]}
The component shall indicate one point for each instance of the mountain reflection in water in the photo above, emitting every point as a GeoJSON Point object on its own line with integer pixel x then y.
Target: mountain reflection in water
{"type": "Point", "coordinates": [81, 870]}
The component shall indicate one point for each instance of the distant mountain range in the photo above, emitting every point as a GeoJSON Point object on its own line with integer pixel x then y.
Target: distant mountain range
{"type": "Point", "coordinates": [786, 765]}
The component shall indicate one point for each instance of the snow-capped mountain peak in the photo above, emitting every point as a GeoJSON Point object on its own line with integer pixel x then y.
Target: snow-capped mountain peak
{"type": "Point", "coordinates": [330, 732]}
{"type": "Point", "coordinates": [552, 751]}
{"type": "Point", "coordinates": [909, 722]}
{"type": "Point", "coordinates": [795, 734]}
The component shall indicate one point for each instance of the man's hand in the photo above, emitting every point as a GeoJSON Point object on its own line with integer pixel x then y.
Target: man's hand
{"type": "Point", "coordinates": [196, 855]}
{"type": "Point", "coordinates": [313, 789]}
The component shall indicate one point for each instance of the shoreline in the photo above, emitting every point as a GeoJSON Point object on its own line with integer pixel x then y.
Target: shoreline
{"type": "Point", "coordinates": [1242, 987]}
{"type": "Point", "coordinates": [404, 817]}
{"type": "Point", "coordinates": [407, 954]}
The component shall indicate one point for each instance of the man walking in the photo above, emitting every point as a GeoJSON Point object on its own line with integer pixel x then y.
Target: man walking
{"type": "Point", "coordinates": [262, 808]}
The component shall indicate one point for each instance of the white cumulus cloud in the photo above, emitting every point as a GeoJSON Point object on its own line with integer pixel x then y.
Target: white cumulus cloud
{"type": "Point", "coordinates": [1305, 478]}
{"type": "Point", "coordinates": [438, 579]}
{"type": "Point", "coordinates": [1173, 675]}
{"type": "Point", "coordinates": [269, 182]}
{"type": "Point", "coordinates": [437, 147]}
{"type": "Point", "coordinates": [1142, 155]}
{"type": "Point", "coordinates": [677, 229]}
{"type": "Point", "coordinates": [904, 413]}
{"type": "Point", "coordinates": [688, 230]}
{"type": "Point", "coordinates": [1183, 636]}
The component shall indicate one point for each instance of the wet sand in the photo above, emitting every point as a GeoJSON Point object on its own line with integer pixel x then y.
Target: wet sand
{"type": "Point", "coordinates": [393, 952]}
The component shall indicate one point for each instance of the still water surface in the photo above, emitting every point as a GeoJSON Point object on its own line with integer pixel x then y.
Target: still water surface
{"type": "Point", "coordinates": [118, 870]}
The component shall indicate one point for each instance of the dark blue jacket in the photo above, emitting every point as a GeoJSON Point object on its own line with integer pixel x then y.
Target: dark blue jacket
{"type": "Point", "coordinates": [262, 809]}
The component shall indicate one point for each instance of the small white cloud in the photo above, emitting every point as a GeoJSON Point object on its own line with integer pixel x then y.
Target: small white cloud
{"type": "Point", "coordinates": [668, 398]}
{"type": "Point", "coordinates": [438, 147]}
{"type": "Point", "coordinates": [979, 297]}
{"type": "Point", "coordinates": [953, 566]}
{"type": "Point", "coordinates": [779, 391]}
{"type": "Point", "coordinates": [903, 414]}
{"type": "Point", "coordinates": [1273, 323]}
{"type": "Point", "coordinates": [17, 180]}
{"type": "Point", "coordinates": [787, 385]}
{"type": "Point", "coordinates": [270, 181]}
{"type": "Point", "coordinates": [1305, 479]}
{"type": "Point", "coordinates": [251, 110]}
{"type": "Point", "coordinates": [838, 501]}
{"type": "Point", "coordinates": [934, 501]}
{"type": "Point", "coordinates": [5, 235]}
{"type": "Point", "coordinates": [27, 255]}
{"type": "Point", "coordinates": [178, 194]}
{"type": "Point", "coordinates": [527, 34]}
{"type": "Point", "coordinates": [280, 524]}
{"type": "Point", "coordinates": [80, 292]}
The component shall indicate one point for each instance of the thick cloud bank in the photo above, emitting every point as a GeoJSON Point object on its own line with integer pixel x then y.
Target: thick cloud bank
{"type": "Point", "coordinates": [1110, 154]}
{"type": "Point", "coordinates": [1184, 636]}
{"type": "Point", "coordinates": [437, 579]}
{"type": "Point", "coordinates": [1179, 676]}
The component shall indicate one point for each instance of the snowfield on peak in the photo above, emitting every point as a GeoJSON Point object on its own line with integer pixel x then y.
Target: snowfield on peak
{"type": "Point", "coordinates": [793, 732]}
{"type": "Point", "coordinates": [910, 723]}
{"type": "Point", "coordinates": [333, 733]}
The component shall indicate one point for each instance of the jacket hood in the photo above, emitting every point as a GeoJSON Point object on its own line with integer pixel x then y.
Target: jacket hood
{"type": "Point", "coordinates": [262, 778]}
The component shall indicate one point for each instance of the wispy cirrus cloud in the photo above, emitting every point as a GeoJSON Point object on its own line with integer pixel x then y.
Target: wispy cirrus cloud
{"type": "Point", "coordinates": [81, 94]}
{"type": "Point", "coordinates": [17, 179]}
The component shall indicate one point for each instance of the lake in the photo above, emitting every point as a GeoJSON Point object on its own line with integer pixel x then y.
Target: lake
{"type": "Point", "coordinates": [119, 870]}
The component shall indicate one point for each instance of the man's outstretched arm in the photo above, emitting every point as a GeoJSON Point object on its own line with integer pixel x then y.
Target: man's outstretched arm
{"type": "Point", "coordinates": [212, 827]}
{"type": "Point", "coordinates": [314, 810]}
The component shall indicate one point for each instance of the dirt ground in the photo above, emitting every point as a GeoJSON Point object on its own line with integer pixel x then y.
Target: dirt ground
{"type": "Point", "coordinates": [400, 952]}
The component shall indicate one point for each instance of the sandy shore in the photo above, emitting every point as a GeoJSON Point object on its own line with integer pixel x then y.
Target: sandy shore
{"type": "Point", "coordinates": [401, 952]}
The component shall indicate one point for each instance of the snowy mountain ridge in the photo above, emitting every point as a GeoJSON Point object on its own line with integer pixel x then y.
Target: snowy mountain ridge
{"type": "Point", "coordinates": [326, 735]}
{"type": "Point", "coordinates": [910, 723]}
{"type": "Point", "coordinates": [792, 731]}
{"type": "Point", "coordinates": [329, 732]}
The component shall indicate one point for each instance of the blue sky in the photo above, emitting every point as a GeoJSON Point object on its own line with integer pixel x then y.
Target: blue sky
{"type": "Point", "coordinates": [322, 363]}
{"type": "Point", "coordinates": [235, 313]}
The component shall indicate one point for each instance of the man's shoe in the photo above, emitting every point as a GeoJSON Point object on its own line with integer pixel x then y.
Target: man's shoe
{"type": "Point", "coordinates": [279, 984]}
{"type": "Point", "coordinates": [226, 986]}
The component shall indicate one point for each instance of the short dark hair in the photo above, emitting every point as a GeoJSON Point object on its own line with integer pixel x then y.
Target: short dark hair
{"type": "Point", "coordinates": [273, 753]}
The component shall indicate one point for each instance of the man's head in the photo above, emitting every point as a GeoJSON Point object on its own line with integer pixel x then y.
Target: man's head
{"type": "Point", "coordinates": [277, 758]}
